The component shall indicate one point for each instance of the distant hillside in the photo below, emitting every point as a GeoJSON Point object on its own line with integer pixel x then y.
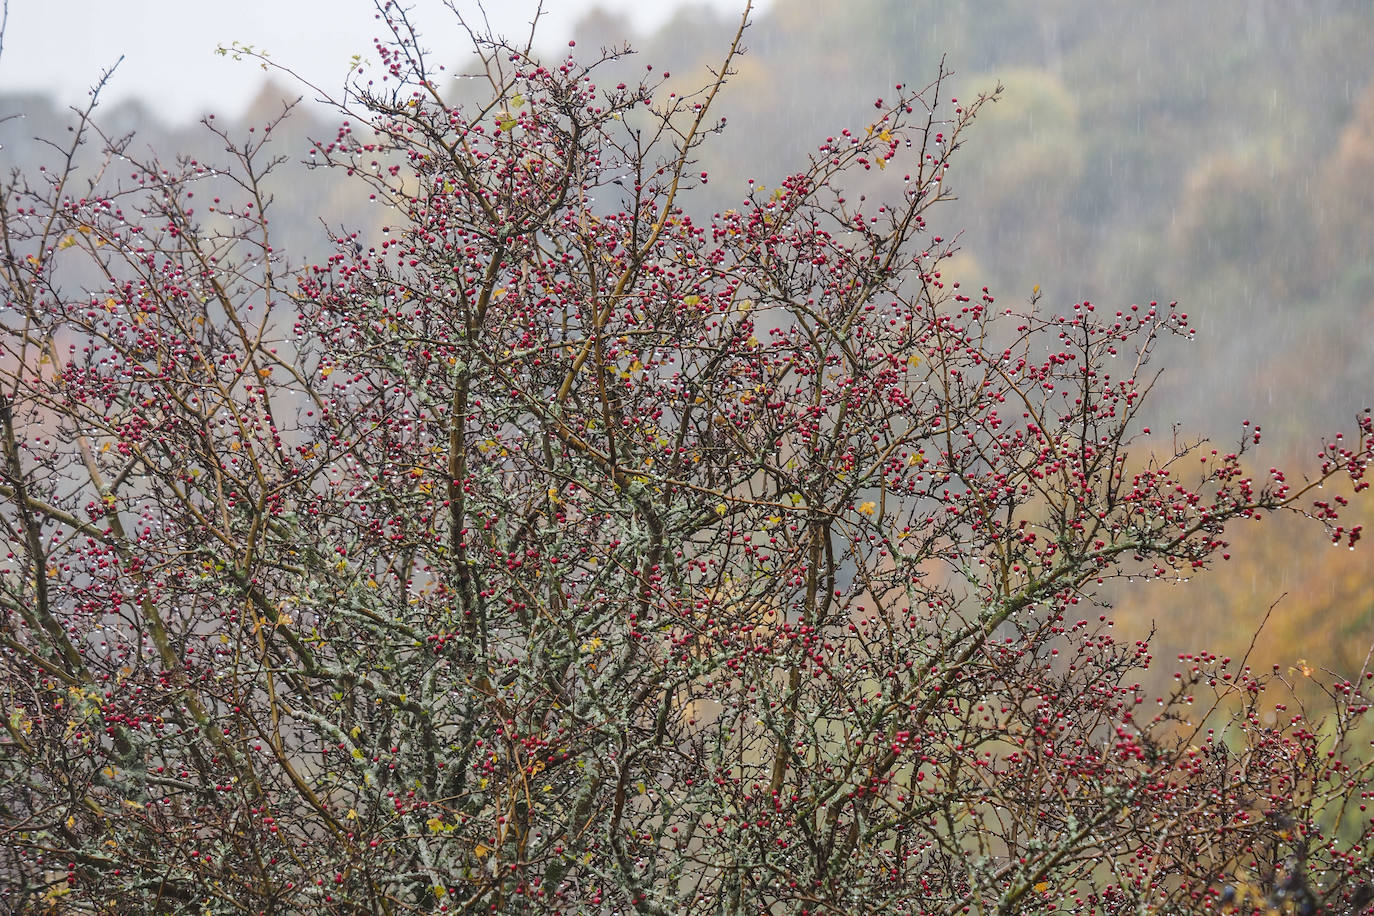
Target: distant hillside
{"type": "Point", "coordinates": [1218, 154]}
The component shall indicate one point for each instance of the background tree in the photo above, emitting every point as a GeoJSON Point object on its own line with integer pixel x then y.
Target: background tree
{"type": "Point", "coordinates": [562, 550]}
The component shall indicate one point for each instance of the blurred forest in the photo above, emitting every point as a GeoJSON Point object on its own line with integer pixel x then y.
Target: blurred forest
{"type": "Point", "coordinates": [1217, 154]}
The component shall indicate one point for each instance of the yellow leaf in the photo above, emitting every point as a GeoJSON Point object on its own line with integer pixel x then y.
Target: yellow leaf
{"type": "Point", "coordinates": [869, 507]}
{"type": "Point", "coordinates": [479, 851]}
{"type": "Point", "coordinates": [352, 814]}
{"type": "Point", "coordinates": [691, 300]}
{"type": "Point", "coordinates": [355, 731]}
{"type": "Point", "coordinates": [19, 721]}
{"type": "Point", "coordinates": [67, 242]}
{"type": "Point", "coordinates": [1042, 887]}
{"type": "Point", "coordinates": [357, 754]}
{"type": "Point", "coordinates": [721, 509]}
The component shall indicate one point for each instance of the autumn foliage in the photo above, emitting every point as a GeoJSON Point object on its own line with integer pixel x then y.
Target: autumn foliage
{"type": "Point", "coordinates": [553, 547]}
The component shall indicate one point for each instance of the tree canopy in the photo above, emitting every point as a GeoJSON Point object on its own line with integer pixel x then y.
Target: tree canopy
{"type": "Point", "coordinates": [559, 549]}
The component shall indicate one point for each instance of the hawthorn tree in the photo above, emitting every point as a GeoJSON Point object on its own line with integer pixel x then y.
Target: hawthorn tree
{"type": "Point", "coordinates": [556, 548]}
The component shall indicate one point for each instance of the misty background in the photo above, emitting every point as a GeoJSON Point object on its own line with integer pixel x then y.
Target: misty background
{"type": "Point", "coordinates": [1220, 154]}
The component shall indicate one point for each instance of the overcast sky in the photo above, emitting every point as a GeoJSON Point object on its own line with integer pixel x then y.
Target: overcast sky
{"type": "Point", "coordinates": [61, 46]}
